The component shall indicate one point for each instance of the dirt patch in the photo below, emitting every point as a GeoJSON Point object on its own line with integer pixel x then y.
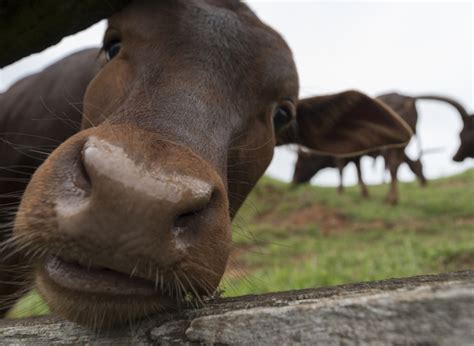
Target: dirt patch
{"type": "Point", "coordinates": [328, 220]}
{"type": "Point", "coordinates": [464, 221]}
{"type": "Point", "coordinates": [325, 218]}
{"type": "Point", "coordinates": [459, 261]}
{"type": "Point", "coordinates": [452, 184]}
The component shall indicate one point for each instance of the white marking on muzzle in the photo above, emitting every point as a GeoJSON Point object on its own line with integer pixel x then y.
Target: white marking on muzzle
{"type": "Point", "coordinates": [179, 243]}
{"type": "Point", "coordinates": [73, 202]}
{"type": "Point", "coordinates": [112, 161]}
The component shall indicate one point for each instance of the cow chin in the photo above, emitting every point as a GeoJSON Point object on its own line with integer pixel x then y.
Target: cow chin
{"type": "Point", "coordinates": [120, 230]}
{"type": "Point", "coordinates": [99, 311]}
{"type": "Point", "coordinates": [101, 298]}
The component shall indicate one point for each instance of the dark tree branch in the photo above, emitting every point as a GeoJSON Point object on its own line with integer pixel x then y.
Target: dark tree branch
{"type": "Point", "coordinates": [29, 26]}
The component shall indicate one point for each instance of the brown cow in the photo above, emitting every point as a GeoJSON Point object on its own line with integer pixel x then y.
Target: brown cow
{"type": "Point", "coordinates": [309, 164]}
{"type": "Point", "coordinates": [132, 214]}
{"type": "Point", "coordinates": [36, 115]}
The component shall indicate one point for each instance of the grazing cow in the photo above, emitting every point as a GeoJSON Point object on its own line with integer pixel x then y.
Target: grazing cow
{"type": "Point", "coordinates": [132, 214]}
{"type": "Point", "coordinates": [308, 164]}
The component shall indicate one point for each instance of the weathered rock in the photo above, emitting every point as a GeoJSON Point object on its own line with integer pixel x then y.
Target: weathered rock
{"type": "Point", "coordinates": [420, 310]}
{"type": "Point", "coordinates": [29, 26]}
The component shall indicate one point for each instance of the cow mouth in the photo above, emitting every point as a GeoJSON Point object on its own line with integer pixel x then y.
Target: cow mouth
{"type": "Point", "coordinates": [96, 280]}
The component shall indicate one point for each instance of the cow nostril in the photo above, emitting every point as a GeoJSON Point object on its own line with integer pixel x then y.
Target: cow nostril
{"type": "Point", "coordinates": [190, 219]}
{"type": "Point", "coordinates": [186, 221]}
{"type": "Point", "coordinates": [183, 223]}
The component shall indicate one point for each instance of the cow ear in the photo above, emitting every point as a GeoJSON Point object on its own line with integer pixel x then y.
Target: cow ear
{"type": "Point", "coordinates": [345, 124]}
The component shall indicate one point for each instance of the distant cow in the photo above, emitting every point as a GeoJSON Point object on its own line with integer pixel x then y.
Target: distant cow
{"type": "Point", "coordinates": [308, 164]}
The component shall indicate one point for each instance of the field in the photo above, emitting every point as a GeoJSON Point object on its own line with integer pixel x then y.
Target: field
{"type": "Point", "coordinates": [291, 238]}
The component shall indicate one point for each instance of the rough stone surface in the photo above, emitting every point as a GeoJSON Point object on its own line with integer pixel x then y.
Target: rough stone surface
{"type": "Point", "coordinates": [29, 26]}
{"type": "Point", "coordinates": [420, 310]}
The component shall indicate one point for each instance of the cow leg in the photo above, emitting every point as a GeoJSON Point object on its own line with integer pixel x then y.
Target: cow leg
{"type": "Point", "coordinates": [363, 187]}
{"type": "Point", "coordinates": [340, 166]}
{"type": "Point", "coordinates": [392, 197]}
{"type": "Point", "coordinates": [384, 173]}
{"type": "Point", "coordinates": [417, 168]}
{"type": "Point", "coordinates": [394, 159]}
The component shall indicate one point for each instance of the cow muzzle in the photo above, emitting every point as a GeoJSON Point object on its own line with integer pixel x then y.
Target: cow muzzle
{"type": "Point", "coordinates": [125, 223]}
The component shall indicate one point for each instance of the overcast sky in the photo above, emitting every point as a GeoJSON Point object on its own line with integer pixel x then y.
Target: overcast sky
{"type": "Point", "coordinates": [414, 48]}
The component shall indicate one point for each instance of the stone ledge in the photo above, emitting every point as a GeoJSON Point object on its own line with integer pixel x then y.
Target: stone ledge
{"type": "Point", "coordinates": [437, 309]}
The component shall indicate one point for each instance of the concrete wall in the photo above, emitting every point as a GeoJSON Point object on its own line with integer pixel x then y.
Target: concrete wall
{"type": "Point", "coordinates": [424, 310]}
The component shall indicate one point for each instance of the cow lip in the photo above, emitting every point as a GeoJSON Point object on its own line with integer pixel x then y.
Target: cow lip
{"type": "Point", "coordinates": [76, 277]}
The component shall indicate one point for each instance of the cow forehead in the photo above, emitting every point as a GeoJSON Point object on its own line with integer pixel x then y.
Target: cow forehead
{"type": "Point", "coordinates": [206, 25]}
{"type": "Point", "coordinates": [223, 36]}
{"type": "Point", "coordinates": [211, 19]}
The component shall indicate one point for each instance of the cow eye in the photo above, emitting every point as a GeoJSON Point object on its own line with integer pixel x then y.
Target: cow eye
{"type": "Point", "coordinates": [112, 49]}
{"type": "Point", "coordinates": [281, 117]}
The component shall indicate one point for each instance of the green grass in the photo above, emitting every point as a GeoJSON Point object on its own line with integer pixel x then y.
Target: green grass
{"type": "Point", "coordinates": [430, 231]}
{"type": "Point", "coordinates": [292, 238]}
{"type": "Point", "coordinates": [30, 305]}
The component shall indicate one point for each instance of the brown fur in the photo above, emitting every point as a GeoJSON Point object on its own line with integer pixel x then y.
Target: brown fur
{"type": "Point", "coordinates": [193, 91]}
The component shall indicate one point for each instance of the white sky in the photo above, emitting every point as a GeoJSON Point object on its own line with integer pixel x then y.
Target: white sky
{"type": "Point", "coordinates": [411, 47]}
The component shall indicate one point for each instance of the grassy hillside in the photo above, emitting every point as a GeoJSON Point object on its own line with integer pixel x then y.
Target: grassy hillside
{"type": "Point", "coordinates": [291, 238]}
{"type": "Point", "coordinates": [309, 236]}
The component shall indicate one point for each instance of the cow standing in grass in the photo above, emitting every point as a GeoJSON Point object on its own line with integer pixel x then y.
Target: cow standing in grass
{"type": "Point", "coordinates": [308, 163]}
